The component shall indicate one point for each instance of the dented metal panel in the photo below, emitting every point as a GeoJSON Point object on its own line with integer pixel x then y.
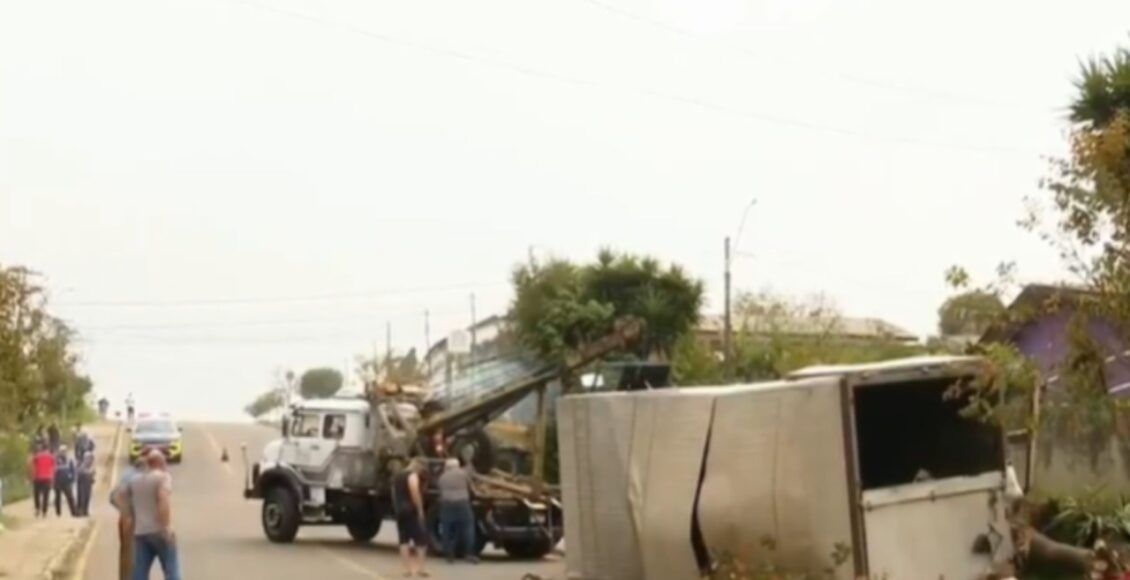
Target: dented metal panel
{"type": "Point", "coordinates": [776, 470]}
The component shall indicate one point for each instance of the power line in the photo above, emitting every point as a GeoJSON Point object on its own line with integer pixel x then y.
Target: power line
{"type": "Point", "coordinates": [809, 69]}
{"type": "Point", "coordinates": [368, 316]}
{"type": "Point", "coordinates": [269, 300]}
{"type": "Point", "coordinates": [692, 101]}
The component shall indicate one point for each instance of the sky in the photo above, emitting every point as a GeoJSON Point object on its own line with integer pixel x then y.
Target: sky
{"type": "Point", "coordinates": [218, 190]}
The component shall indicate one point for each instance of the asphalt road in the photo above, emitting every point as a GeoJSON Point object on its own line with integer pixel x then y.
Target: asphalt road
{"type": "Point", "coordinates": [220, 537]}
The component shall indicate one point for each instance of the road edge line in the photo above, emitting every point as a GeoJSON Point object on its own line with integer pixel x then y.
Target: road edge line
{"type": "Point", "coordinates": [90, 532]}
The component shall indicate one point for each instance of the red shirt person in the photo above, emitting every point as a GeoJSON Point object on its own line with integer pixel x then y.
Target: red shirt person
{"type": "Point", "coordinates": [42, 477]}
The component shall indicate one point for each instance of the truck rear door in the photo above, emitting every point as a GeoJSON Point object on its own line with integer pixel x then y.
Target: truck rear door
{"type": "Point", "coordinates": [930, 480]}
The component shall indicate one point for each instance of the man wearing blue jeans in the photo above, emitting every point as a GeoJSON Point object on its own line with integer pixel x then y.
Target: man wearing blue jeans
{"type": "Point", "coordinates": [457, 520]}
{"type": "Point", "coordinates": [150, 496]}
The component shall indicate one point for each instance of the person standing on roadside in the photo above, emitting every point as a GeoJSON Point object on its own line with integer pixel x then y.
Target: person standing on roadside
{"type": "Point", "coordinates": [83, 442]}
{"type": "Point", "coordinates": [85, 483]}
{"type": "Point", "coordinates": [119, 498]}
{"type": "Point", "coordinates": [42, 475]}
{"type": "Point", "coordinates": [151, 511]}
{"type": "Point", "coordinates": [54, 438]}
{"type": "Point", "coordinates": [408, 504]}
{"type": "Point", "coordinates": [457, 520]}
{"type": "Point", "coordinates": [65, 472]}
{"type": "Point", "coordinates": [40, 438]}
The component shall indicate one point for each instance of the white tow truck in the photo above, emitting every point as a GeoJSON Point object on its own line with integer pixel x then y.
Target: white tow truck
{"type": "Point", "coordinates": [335, 459]}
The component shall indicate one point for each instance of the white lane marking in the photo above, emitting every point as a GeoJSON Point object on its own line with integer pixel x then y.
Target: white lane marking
{"type": "Point", "coordinates": [346, 562]}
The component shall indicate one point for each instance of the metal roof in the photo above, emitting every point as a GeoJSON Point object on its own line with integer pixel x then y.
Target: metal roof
{"type": "Point", "coordinates": [893, 365]}
{"type": "Point", "coordinates": [810, 326]}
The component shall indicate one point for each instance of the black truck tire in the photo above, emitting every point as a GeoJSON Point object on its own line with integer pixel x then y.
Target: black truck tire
{"type": "Point", "coordinates": [478, 447]}
{"type": "Point", "coordinates": [363, 530]}
{"type": "Point", "coordinates": [533, 549]}
{"type": "Point", "coordinates": [280, 515]}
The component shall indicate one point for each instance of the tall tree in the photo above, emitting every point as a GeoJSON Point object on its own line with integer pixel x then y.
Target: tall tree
{"type": "Point", "coordinates": [39, 377]}
{"type": "Point", "coordinates": [1088, 222]}
{"type": "Point", "coordinates": [560, 306]}
{"type": "Point", "coordinates": [320, 383]}
{"type": "Point", "coordinates": [969, 313]}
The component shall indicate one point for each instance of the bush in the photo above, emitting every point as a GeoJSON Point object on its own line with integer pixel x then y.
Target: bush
{"type": "Point", "coordinates": [13, 467]}
{"type": "Point", "coordinates": [1085, 519]}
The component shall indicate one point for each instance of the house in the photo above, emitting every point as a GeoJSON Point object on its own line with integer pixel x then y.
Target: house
{"type": "Point", "coordinates": [488, 339]}
{"type": "Point", "coordinates": [710, 329]}
{"type": "Point", "coordinates": [1040, 325]}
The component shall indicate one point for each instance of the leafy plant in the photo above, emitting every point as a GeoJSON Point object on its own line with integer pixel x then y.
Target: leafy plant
{"type": "Point", "coordinates": [1085, 519]}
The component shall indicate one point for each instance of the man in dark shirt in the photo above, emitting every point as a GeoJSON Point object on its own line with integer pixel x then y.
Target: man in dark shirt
{"type": "Point", "coordinates": [65, 472]}
{"type": "Point", "coordinates": [408, 504]}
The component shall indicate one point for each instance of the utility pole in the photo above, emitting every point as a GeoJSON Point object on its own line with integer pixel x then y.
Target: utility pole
{"type": "Point", "coordinates": [474, 339]}
{"type": "Point", "coordinates": [427, 344]}
{"type": "Point", "coordinates": [727, 324]}
{"type": "Point", "coordinates": [474, 320]}
{"type": "Point", "coordinates": [388, 344]}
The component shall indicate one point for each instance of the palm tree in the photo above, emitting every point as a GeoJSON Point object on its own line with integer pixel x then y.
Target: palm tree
{"type": "Point", "coordinates": [1103, 89]}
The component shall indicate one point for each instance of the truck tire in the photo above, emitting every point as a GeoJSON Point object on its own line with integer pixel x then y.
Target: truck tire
{"type": "Point", "coordinates": [477, 448]}
{"type": "Point", "coordinates": [533, 549]}
{"type": "Point", "coordinates": [280, 515]}
{"type": "Point", "coordinates": [362, 531]}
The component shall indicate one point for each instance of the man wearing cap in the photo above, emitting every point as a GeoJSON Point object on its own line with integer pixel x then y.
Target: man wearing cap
{"type": "Point", "coordinates": [151, 512]}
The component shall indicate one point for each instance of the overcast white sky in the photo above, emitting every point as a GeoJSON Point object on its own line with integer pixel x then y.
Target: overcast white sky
{"type": "Point", "coordinates": [184, 171]}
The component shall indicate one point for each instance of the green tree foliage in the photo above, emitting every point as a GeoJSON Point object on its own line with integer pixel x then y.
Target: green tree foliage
{"type": "Point", "coordinates": [39, 378]}
{"type": "Point", "coordinates": [776, 335]}
{"type": "Point", "coordinates": [969, 313]}
{"type": "Point", "coordinates": [320, 383]}
{"type": "Point", "coordinates": [560, 306]}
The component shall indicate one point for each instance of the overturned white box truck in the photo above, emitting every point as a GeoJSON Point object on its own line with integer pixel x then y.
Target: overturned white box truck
{"type": "Point", "coordinates": [871, 463]}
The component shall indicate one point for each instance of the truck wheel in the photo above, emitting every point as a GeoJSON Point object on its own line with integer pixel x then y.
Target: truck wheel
{"type": "Point", "coordinates": [363, 530]}
{"type": "Point", "coordinates": [528, 549]}
{"type": "Point", "coordinates": [477, 449]}
{"type": "Point", "coordinates": [280, 515]}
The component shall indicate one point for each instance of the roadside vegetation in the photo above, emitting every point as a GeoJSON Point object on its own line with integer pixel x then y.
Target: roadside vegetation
{"type": "Point", "coordinates": [40, 379]}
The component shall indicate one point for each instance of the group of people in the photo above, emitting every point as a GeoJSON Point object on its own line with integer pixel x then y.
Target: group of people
{"type": "Point", "coordinates": [53, 468]}
{"type": "Point", "coordinates": [143, 498]}
{"type": "Point", "coordinates": [457, 520]}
